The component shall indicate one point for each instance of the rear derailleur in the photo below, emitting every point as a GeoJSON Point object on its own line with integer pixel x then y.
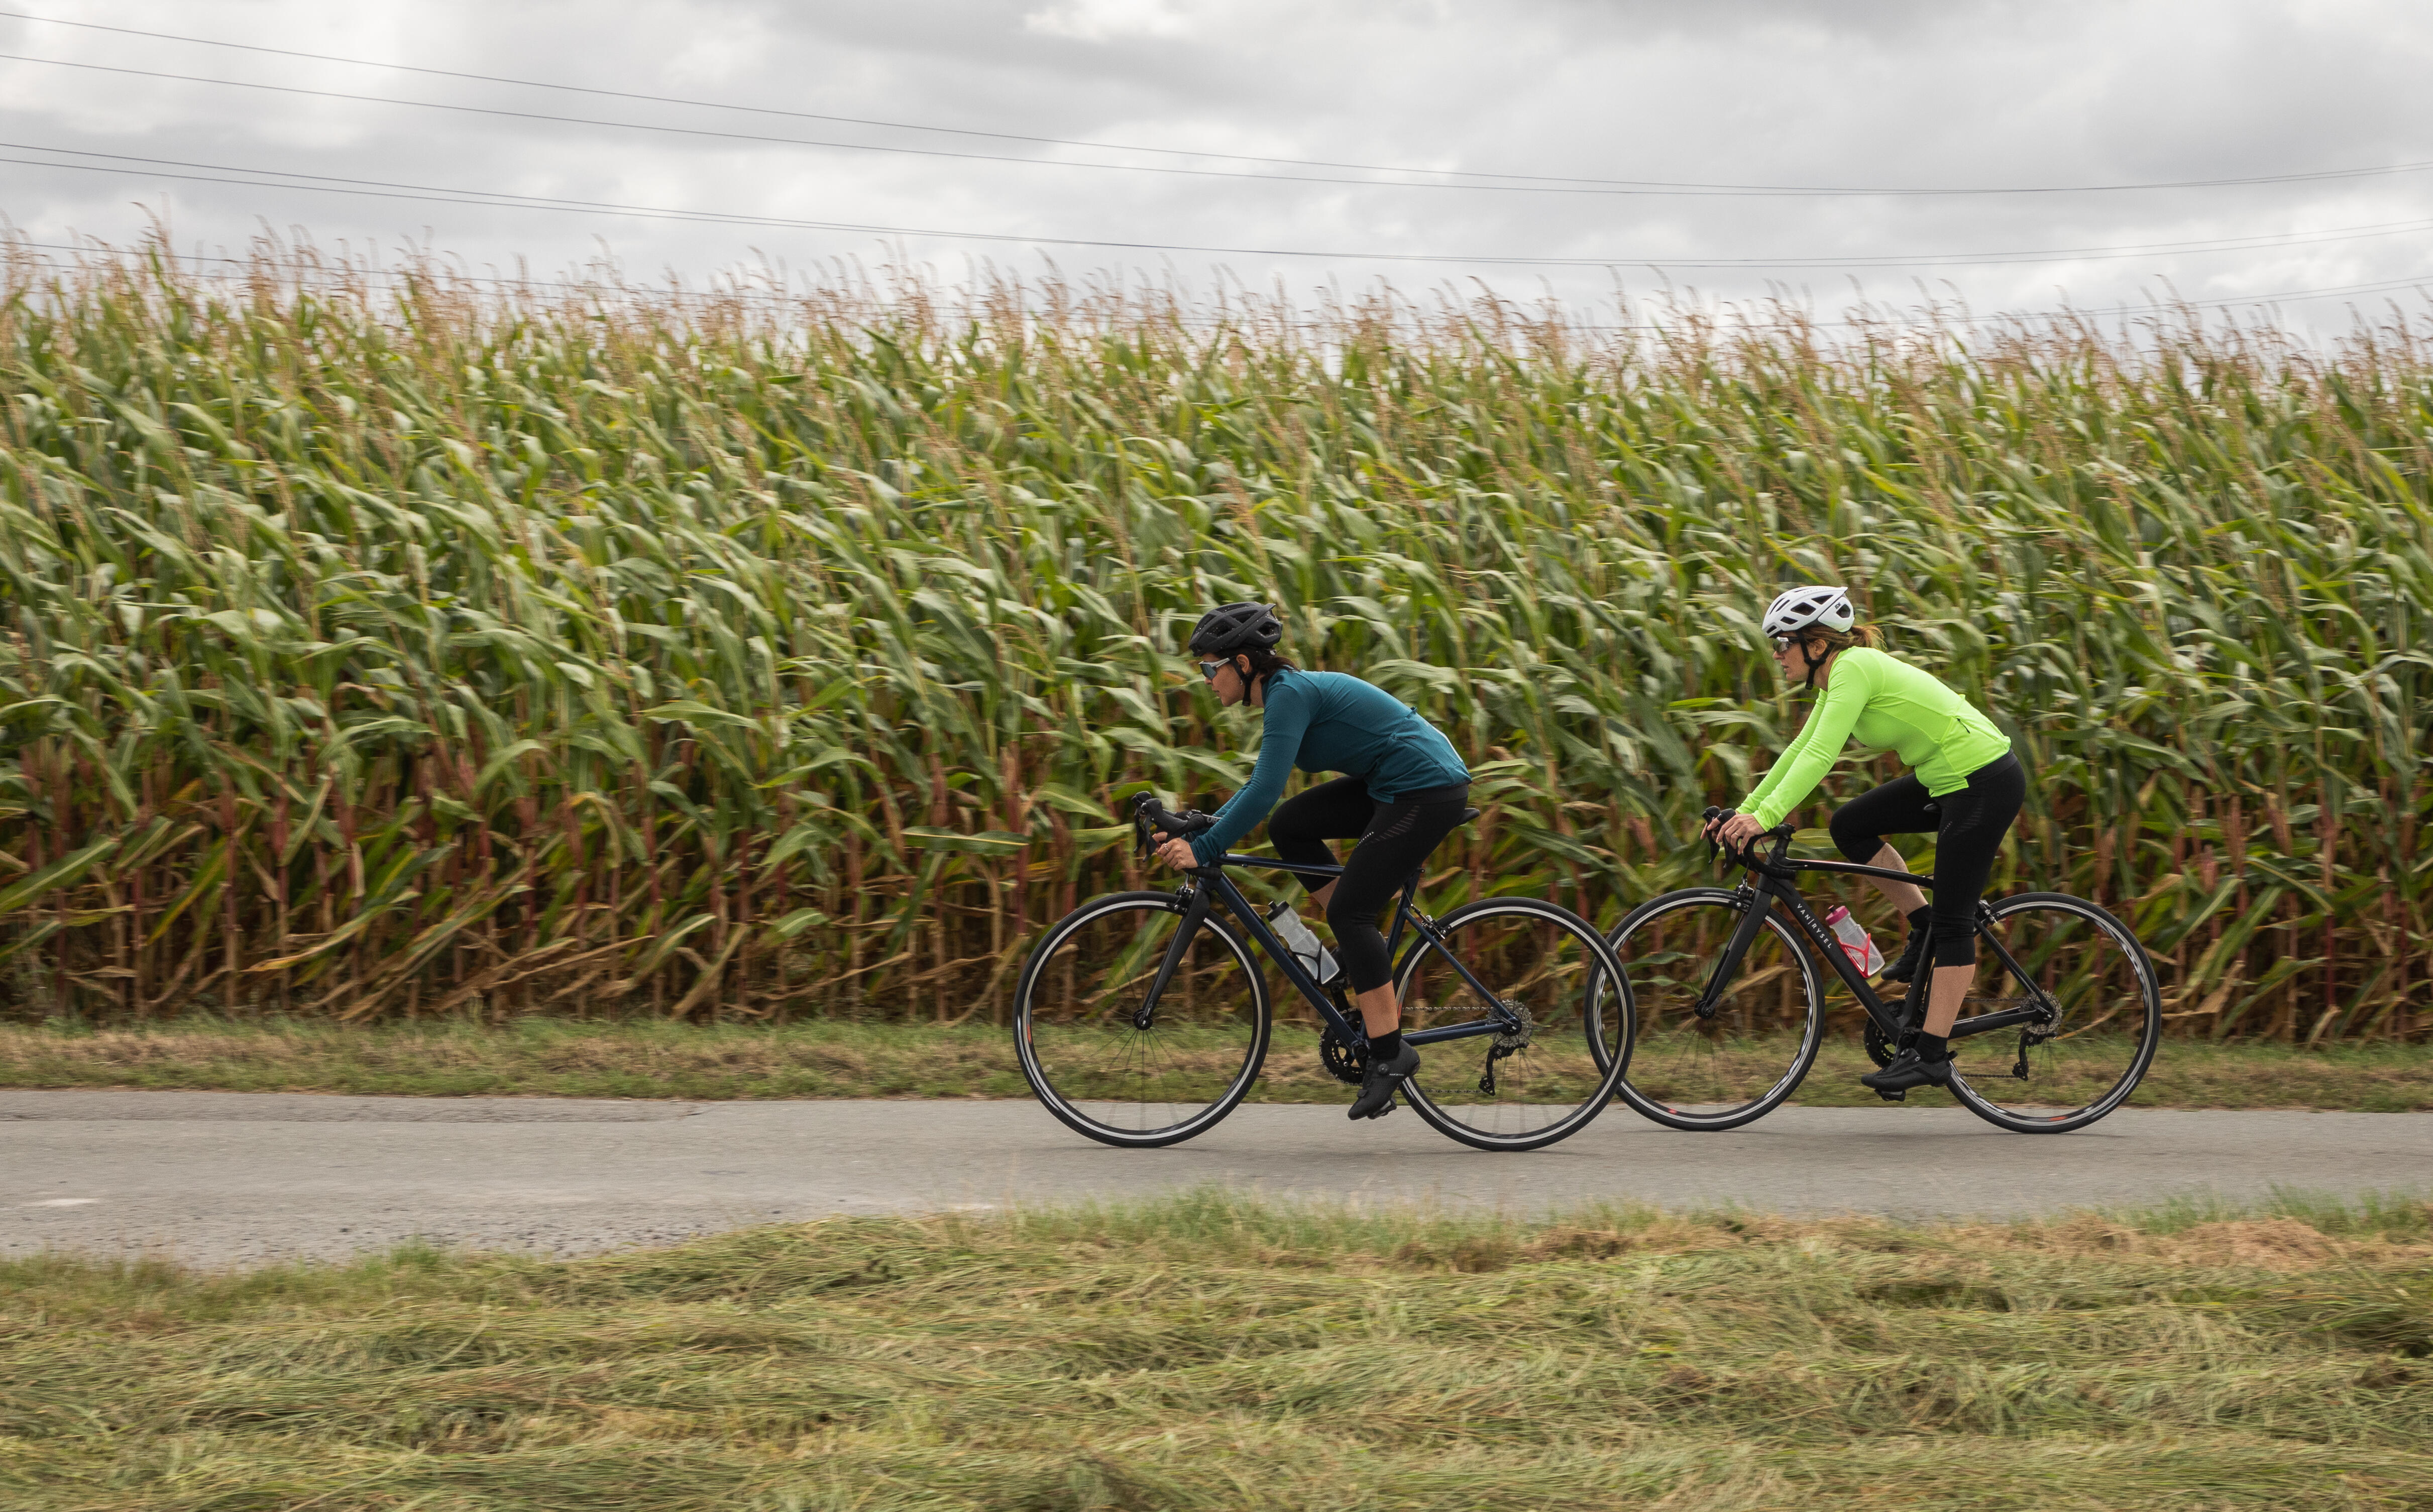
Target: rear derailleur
{"type": "Point", "coordinates": [1519, 1029]}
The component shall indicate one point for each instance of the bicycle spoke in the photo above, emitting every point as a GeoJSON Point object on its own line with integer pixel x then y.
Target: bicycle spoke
{"type": "Point", "coordinates": [1748, 1053]}
{"type": "Point", "coordinates": [1565, 1024]}
{"type": "Point", "coordinates": [1107, 1075]}
{"type": "Point", "coordinates": [2099, 1017]}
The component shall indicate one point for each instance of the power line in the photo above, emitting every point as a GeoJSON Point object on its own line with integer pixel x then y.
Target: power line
{"type": "Point", "coordinates": [334, 184]}
{"type": "Point", "coordinates": [840, 120]}
{"type": "Point", "coordinates": [761, 139]}
{"type": "Point", "coordinates": [1524, 183]}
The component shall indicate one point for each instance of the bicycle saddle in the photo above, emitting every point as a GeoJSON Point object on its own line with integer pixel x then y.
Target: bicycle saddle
{"type": "Point", "coordinates": [1467, 815]}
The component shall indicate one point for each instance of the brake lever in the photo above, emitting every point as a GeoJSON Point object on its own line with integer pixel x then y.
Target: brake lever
{"type": "Point", "coordinates": [1143, 845]}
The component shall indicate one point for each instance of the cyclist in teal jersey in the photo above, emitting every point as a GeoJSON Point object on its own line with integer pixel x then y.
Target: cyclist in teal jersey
{"type": "Point", "coordinates": [1965, 787]}
{"type": "Point", "coordinates": [1404, 791]}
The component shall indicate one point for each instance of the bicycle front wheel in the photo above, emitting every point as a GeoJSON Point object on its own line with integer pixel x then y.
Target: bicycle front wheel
{"type": "Point", "coordinates": [2100, 1018]}
{"type": "Point", "coordinates": [1758, 1040]}
{"type": "Point", "coordinates": [1565, 1015]}
{"type": "Point", "coordinates": [1106, 1069]}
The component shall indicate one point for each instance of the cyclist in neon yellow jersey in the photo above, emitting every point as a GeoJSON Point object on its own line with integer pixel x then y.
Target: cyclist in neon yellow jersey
{"type": "Point", "coordinates": [1965, 786]}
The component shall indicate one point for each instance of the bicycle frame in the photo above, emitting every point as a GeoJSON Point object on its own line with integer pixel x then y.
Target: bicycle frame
{"type": "Point", "coordinates": [1207, 886]}
{"type": "Point", "coordinates": [1770, 882]}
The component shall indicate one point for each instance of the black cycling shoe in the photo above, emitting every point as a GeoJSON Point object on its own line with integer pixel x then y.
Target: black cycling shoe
{"type": "Point", "coordinates": [1908, 1071]}
{"type": "Point", "coordinates": [1380, 1080]}
{"type": "Point", "coordinates": [1913, 956]}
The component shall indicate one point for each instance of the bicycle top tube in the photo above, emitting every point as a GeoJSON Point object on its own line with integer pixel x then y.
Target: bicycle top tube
{"type": "Point", "coordinates": [1922, 879]}
{"type": "Point", "coordinates": [1782, 866]}
{"type": "Point", "coordinates": [1279, 864]}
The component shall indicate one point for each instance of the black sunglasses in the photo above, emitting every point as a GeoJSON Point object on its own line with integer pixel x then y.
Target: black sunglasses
{"type": "Point", "coordinates": [1209, 668]}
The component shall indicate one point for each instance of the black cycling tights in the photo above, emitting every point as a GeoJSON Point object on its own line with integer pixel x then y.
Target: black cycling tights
{"type": "Point", "coordinates": [1968, 826]}
{"type": "Point", "coordinates": [1395, 837]}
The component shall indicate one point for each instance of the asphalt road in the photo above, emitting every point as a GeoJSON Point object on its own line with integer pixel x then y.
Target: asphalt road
{"type": "Point", "coordinates": [220, 1178]}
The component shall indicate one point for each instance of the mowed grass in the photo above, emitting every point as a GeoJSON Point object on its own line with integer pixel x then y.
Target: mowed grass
{"type": "Point", "coordinates": [830, 1059]}
{"type": "Point", "coordinates": [1208, 1350]}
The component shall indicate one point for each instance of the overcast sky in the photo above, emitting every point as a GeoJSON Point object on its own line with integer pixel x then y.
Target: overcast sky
{"type": "Point", "coordinates": [1564, 112]}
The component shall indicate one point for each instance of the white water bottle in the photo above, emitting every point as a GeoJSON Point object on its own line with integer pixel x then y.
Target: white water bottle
{"type": "Point", "coordinates": [1315, 959]}
{"type": "Point", "coordinates": [1856, 943]}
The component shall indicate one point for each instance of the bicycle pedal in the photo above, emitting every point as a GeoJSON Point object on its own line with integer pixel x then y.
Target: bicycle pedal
{"type": "Point", "coordinates": [1901, 1095]}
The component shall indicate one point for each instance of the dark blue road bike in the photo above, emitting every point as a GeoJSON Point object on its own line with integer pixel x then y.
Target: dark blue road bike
{"type": "Point", "coordinates": [1144, 1018]}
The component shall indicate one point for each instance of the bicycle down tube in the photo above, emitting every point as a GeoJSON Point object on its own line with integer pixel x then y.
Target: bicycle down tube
{"type": "Point", "coordinates": [1209, 884]}
{"type": "Point", "coordinates": [1766, 887]}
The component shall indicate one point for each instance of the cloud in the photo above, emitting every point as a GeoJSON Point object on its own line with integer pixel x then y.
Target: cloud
{"type": "Point", "coordinates": [1098, 21]}
{"type": "Point", "coordinates": [897, 106]}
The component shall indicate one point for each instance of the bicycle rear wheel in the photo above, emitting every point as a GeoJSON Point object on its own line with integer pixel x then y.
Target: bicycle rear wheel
{"type": "Point", "coordinates": [2103, 1017]}
{"type": "Point", "coordinates": [1105, 1073]}
{"type": "Point", "coordinates": [1751, 1053]}
{"type": "Point", "coordinates": [1569, 1038]}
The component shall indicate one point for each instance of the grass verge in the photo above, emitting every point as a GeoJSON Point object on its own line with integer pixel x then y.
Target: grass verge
{"type": "Point", "coordinates": [1212, 1351]}
{"type": "Point", "coordinates": [558, 1057]}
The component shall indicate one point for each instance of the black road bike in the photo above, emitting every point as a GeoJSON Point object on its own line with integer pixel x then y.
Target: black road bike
{"type": "Point", "coordinates": [2059, 1026]}
{"type": "Point", "coordinates": [1143, 1018]}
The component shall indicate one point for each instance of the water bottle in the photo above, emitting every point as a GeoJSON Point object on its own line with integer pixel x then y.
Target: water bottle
{"type": "Point", "coordinates": [1856, 943]}
{"type": "Point", "coordinates": [1313, 957]}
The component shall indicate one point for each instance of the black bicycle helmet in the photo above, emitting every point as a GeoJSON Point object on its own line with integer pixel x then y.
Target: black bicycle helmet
{"type": "Point", "coordinates": [1231, 628]}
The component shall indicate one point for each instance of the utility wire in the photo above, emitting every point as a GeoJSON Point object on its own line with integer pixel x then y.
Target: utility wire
{"type": "Point", "coordinates": [1641, 185]}
{"type": "Point", "coordinates": [794, 141]}
{"type": "Point", "coordinates": [323, 183]}
{"type": "Point", "coordinates": [1524, 183]}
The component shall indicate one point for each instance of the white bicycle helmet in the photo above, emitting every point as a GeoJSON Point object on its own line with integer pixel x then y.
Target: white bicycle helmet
{"type": "Point", "coordinates": [1809, 608]}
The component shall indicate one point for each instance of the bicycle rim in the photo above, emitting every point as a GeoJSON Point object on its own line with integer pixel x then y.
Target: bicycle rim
{"type": "Point", "coordinates": [2097, 981]}
{"type": "Point", "coordinates": [1543, 1079]}
{"type": "Point", "coordinates": [1100, 1073]}
{"type": "Point", "coordinates": [1751, 1054]}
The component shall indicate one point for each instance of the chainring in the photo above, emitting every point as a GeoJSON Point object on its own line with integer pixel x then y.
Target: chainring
{"type": "Point", "coordinates": [1879, 1050]}
{"type": "Point", "coordinates": [1342, 1063]}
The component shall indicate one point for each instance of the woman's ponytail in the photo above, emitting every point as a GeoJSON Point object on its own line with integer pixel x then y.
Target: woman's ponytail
{"type": "Point", "coordinates": [1867, 635]}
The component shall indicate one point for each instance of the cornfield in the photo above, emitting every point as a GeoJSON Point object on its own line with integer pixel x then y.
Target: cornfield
{"type": "Point", "coordinates": [431, 648]}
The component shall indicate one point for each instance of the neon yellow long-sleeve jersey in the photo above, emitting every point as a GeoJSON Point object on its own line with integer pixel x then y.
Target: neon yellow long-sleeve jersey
{"type": "Point", "coordinates": [1883, 702]}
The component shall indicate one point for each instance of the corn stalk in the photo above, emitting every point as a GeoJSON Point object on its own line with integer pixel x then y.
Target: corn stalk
{"type": "Point", "coordinates": [385, 651]}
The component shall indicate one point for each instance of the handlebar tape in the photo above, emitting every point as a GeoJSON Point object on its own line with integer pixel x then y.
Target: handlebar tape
{"type": "Point", "coordinates": [1154, 815]}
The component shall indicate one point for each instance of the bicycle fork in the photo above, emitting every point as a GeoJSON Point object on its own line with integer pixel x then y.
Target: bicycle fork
{"type": "Point", "coordinates": [1144, 1017]}
{"type": "Point", "coordinates": [1727, 965]}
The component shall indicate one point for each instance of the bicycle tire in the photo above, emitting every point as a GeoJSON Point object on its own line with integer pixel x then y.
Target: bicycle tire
{"type": "Point", "coordinates": [2035, 926]}
{"type": "Point", "coordinates": [1699, 1075]}
{"type": "Point", "coordinates": [1062, 1068]}
{"type": "Point", "coordinates": [1575, 996]}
